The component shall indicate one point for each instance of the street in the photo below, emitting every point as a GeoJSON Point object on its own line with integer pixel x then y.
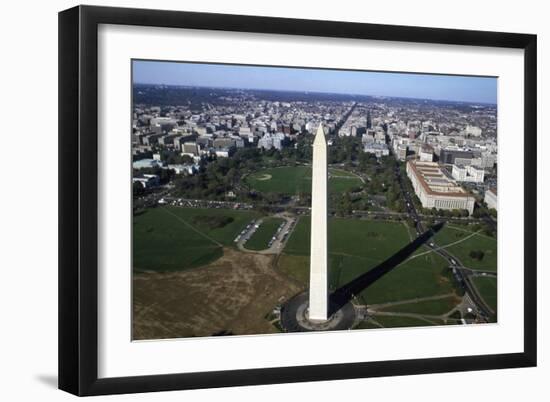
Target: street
{"type": "Point", "coordinates": [461, 273]}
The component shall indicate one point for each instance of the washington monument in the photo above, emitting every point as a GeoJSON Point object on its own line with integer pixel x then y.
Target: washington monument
{"type": "Point", "coordinates": [318, 280]}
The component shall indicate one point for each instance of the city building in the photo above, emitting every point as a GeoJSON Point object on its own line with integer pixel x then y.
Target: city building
{"type": "Point", "coordinates": [190, 148]}
{"type": "Point", "coordinates": [426, 153]}
{"type": "Point", "coordinates": [147, 180]}
{"type": "Point", "coordinates": [224, 152]}
{"type": "Point", "coordinates": [401, 152]}
{"type": "Point", "coordinates": [167, 140]}
{"type": "Point", "coordinates": [435, 189]}
{"type": "Point", "coordinates": [468, 173]}
{"type": "Point", "coordinates": [162, 124]}
{"type": "Point", "coordinates": [146, 163]}
{"type": "Point", "coordinates": [377, 149]}
{"type": "Point", "coordinates": [188, 169]}
{"type": "Point", "coordinates": [367, 138]}
{"type": "Point", "coordinates": [279, 140]}
{"type": "Point", "coordinates": [491, 198]}
{"type": "Point", "coordinates": [204, 141]}
{"type": "Point", "coordinates": [449, 156]}
{"type": "Point", "coordinates": [239, 142]}
{"type": "Point", "coordinates": [473, 131]}
{"type": "Point", "coordinates": [181, 139]}
{"type": "Point", "coordinates": [224, 142]}
{"type": "Point", "coordinates": [266, 142]}
{"type": "Point", "coordinates": [488, 159]}
{"type": "Point", "coordinates": [150, 139]}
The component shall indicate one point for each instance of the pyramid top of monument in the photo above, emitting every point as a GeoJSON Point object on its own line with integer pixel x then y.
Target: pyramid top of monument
{"type": "Point", "coordinates": [320, 135]}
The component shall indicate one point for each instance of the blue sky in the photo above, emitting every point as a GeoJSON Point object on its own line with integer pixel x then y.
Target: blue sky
{"type": "Point", "coordinates": [425, 86]}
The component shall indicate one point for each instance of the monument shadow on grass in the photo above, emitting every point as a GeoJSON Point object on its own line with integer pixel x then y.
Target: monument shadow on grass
{"type": "Point", "coordinates": [343, 295]}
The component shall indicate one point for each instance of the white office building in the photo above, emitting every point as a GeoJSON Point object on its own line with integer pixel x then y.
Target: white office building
{"type": "Point", "coordinates": [146, 163]}
{"type": "Point", "coordinates": [468, 173]}
{"type": "Point", "coordinates": [426, 153]}
{"type": "Point", "coordinates": [473, 131]}
{"type": "Point", "coordinates": [378, 150]}
{"type": "Point", "coordinates": [266, 142]}
{"type": "Point", "coordinates": [435, 189]}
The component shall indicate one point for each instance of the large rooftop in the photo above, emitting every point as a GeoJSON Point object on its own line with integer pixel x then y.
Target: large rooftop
{"type": "Point", "coordinates": [434, 181]}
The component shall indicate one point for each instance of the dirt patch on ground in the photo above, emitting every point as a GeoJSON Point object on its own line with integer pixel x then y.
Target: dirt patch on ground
{"type": "Point", "coordinates": [231, 295]}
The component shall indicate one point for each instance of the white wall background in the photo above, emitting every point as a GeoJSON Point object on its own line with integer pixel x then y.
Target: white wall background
{"type": "Point", "coordinates": [28, 201]}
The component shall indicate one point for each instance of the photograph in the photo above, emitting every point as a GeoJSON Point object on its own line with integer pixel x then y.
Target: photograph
{"type": "Point", "coordinates": [276, 199]}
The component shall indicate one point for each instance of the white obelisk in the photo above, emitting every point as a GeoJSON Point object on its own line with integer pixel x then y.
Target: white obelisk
{"type": "Point", "coordinates": [318, 280]}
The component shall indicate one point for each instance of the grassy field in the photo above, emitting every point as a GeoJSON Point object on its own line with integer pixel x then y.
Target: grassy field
{"type": "Point", "coordinates": [368, 324]}
{"type": "Point", "coordinates": [397, 322]}
{"type": "Point", "coordinates": [263, 234]}
{"type": "Point", "coordinates": [429, 307]}
{"type": "Point", "coordinates": [420, 277]}
{"type": "Point", "coordinates": [355, 247]}
{"type": "Point", "coordinates": [295, 180]}
{"type": "Point", "coordinates": [171, 238]}
{"type": "Point", "coordinates": [295, 266]}
{"type": "Point", "coordinates": [373, 240]}
{"type": "Point", "coordinates": [231, 295]}
{"type": "Point", "coordinates": [487, 287]}
{"type": "Point", "coordinates": [469, 242]}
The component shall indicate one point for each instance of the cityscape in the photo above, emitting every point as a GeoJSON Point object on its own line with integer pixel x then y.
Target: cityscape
{"type": "Point", "coordinates": [222, 199]}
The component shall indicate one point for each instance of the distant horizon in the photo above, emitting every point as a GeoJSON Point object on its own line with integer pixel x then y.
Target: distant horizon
{"type": "Point", "coordinates": [313, 92]}
{"type": "Point", "coordinates": [422, 86]}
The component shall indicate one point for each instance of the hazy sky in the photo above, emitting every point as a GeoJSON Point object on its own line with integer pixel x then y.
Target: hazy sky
{"type": "Point", "coordinates": [426, 86]}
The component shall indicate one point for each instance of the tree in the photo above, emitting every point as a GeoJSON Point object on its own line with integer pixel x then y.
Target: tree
{"type": "Point", "coordinates": [137, 189]}
{"type": "Point", "coordinates": [345, 207]}
{"type": "Point", "coordinates": [186, 159]}
{"type": "Point", "coordinates": [477, 255]}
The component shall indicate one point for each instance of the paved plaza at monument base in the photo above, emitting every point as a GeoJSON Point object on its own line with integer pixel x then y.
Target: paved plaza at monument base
{"type": "Point", "coordinates": [295, 316]}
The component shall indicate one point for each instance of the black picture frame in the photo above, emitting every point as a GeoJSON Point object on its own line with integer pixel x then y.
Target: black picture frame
{"type": "Point", "coordinates": [78, 203]}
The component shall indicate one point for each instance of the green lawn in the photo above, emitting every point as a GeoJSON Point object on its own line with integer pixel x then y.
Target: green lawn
{"type": "Point", "coordinates": [429, 307]}
{"type": "Point", "coordinates": [295, 266]}
{"type": "Point", "coordinates": [477, 242]}
{"type": "Point", "coordinates": [340, 173]}
{"type": "Point", "coordinates": [355, 247]}
{"type": "Point", "coordinates": [368, 324]}
{"type": "Point", "coordinates": [373, 240]}
{"type": "Point", "coordinates": [297, 179]}
{"type": "Point", "coordinates": [171, 238]}
{"type": "Point", "coordinates": [419, 277]}
{"type": "Point", "coordinates": [487, 287]}
{"type": "Point", "coordinates": [261, 237]}
{"type": "Point", "coordinates": [396, 321]}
